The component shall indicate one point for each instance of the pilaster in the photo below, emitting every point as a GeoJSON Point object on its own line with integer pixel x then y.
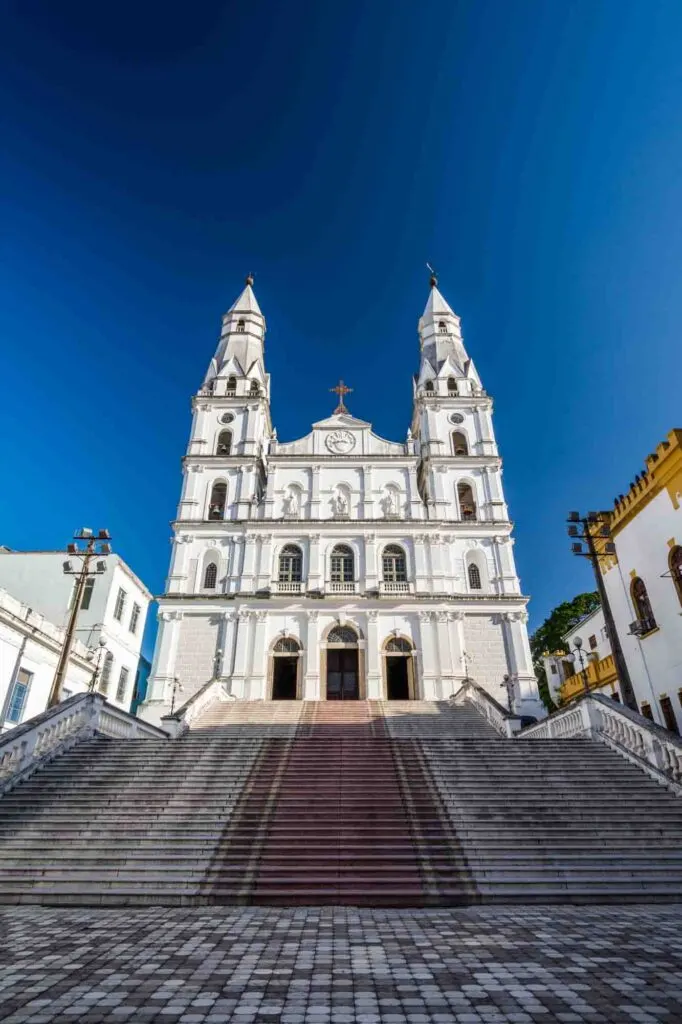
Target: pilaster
{"type": "Point", "coordinates": [311, 684]}
{"type": "Point", "coordinates": [314, 569]}
{"type": "Point", "coordinates": [371, 568]}
{"type": "Point", "coordinates": [374, 683]}
{"type": "Point", "coordinates": [241, 653]}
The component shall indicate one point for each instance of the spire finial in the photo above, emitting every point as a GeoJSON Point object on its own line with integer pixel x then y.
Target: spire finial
{"type": "Point", "coordinates": [249, 280]}
{"type": "Point", "coordinates": [433, 280]}
{"type": "Point", "coordinates": [341, 390]}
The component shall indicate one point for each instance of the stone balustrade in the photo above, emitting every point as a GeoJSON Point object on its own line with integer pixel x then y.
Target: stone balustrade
{"type": "Point", "coordinates": [500, 719]}
{"type": "Point", "coordinates": [28, 747]}
{"type": "Point", "coordinates": [180, 721]}
{"type": "Point", "coordinates": [652, 748]}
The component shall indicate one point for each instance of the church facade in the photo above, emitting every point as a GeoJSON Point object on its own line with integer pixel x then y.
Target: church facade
{"type": "Point", "coordinates": [342, 565]}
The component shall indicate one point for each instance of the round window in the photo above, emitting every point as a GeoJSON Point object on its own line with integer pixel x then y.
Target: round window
{"type": "Point", "coordinates": [457, 418]}
{"type": "Point", "coordinates": [226, 417]}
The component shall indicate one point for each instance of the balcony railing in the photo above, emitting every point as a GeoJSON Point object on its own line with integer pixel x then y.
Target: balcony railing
{"type": "Point", "coordinates": [288, 586]}
{"type": "Point", "coordinates": [395, 587]}
{"type": "Point", "coordinates": [342, 587]}
{"type": "Point", "coordinates": [599, 673]}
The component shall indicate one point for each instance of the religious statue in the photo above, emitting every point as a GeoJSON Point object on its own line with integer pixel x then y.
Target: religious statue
{"type": "Point", "coordinates": [291, 507]}
{"type": "Point", "coordinates": [389, 503]}
{"type": "Point", "coordinates": [340, 504]}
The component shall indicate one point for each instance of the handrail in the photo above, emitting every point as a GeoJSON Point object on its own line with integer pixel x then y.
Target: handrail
{"type": "Point", "coordinates": [179, 722]}
{"type": "Point", "coordinates": [501, 720]}
{"type": "Point", "coordinates": [594, 716]}
{"type": "Point", "coordinates": [31, 745]}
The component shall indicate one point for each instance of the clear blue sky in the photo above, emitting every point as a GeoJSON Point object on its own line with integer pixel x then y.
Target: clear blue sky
{"type": "Point", "coordinates": [152, 154]}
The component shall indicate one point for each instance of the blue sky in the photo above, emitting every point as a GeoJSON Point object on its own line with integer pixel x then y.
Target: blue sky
{"type": "Point", "coordinates": [153, 154]}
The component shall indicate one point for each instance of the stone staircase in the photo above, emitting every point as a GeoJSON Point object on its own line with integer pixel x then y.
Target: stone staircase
{"type": "Point", "coordinates": [357, 803]}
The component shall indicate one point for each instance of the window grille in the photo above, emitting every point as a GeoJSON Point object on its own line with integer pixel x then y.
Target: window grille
{"type": "Point", "coordinates": [474, 576]}
{"type": "Point", "coordinates": [398, 645]}
{"type": "Point", "coordinates": [342, 635]}
{"type": "Point", "coordinates": [286, 645]}
{"type": "Point", "coordinates": [210, 576]}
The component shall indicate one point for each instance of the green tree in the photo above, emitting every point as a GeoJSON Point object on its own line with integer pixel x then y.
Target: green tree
{"type": "Point", "coordinates": [548, 636]}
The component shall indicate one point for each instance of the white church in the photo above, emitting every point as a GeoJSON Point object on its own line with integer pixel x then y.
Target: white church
{"type": "Point", "coordinates": [341, 565]}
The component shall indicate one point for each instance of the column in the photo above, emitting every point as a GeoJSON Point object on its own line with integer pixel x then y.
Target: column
{"type": "Point", "coordinates": [371, 571]}
{"type": "Point", "coordinates": [257, 673]}
{"type": "Point", "coordinates": [373, 659]}
{"type": "Point", "coordinates": [494, 497]}
{"type": "Point", "coordinates": [314, 567]}
{"type": "Point", "coordinates": [193, 498]}
{"type": "Point", "coordinates": [368, 493]}
{"type": "Point", "coordinates": [241, 654]}
{"type": "Point", "coordinates": [427, 646]}
{"type": "Point", "coordinates": [249, 570]}
{"type": "Point", "coordinates": [264, 568]}
{"type": "Point", "coordinates": [436, 563]}
{"type": "Point", "coordinates": [446, 680]}
{"type": "Point", "coordinates": [234, 582]}
{"type": "Point", "coordinates": [439, 501]}
{"type": "Point", "coordinates": [226, 664]}
{"type": "Point", "coordinates": [177, 581]}
{"type": "Point", "coordinates": [311, 677]}
{"type": "Point", "coordinates": [415, 506]}
{"type": "Point", "coordinates": [420, 569]}
{"type": "Point", "coordinates": [270, 491]}
{"type": "Point", "coordinates": [526, 697]}
{"type": "Point", "coordinates": [163, 669]}
{"type": "Point", "coordinates": [457, 649]}
{"type": "Point", "coordinates": [315, 493]}
{"type": "Point", "coordinates": [446, 563]}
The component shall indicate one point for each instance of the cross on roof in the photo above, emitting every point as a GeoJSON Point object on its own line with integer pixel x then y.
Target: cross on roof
{"type": "Point", "coordinates": [341, 390]}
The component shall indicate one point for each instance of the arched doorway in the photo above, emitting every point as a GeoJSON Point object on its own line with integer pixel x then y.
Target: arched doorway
{"type": "Point", "coordinates": [343, 669]}
{"type": "Point", "coordinates": [399, 669]}
{"type": "Point", "coordinates": [286, 661]}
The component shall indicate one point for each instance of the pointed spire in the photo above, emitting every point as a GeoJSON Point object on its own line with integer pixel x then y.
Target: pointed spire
{"type": "Point", "coordinates": [435, 303]}
{"type": "Point", "coordinates": [247, 301]}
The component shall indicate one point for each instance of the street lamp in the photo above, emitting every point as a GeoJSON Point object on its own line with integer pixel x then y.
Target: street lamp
{"type": "Point", "coordinates": [93, 682]}
{"type": "Point", "coordinates": [595, 526]}
{"type": "Point", "coordinates": [177, 686]}
{"type": "Point", "coordinates": [96, 546]}
{"type": "Point", "coordinates": [508, 684]}
{"type": "Point", "coordinates": [578, 644]}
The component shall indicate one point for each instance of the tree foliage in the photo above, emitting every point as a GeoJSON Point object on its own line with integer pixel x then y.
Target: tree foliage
{"type": "Point", "coordinates": [548, 636]}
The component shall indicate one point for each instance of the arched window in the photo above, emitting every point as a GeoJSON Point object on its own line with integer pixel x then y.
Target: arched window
{"type": "Point", "coordinates": [474, 574]}
{"type": "Point", "coordinates": [216, 506]}
{"type": "Point", "coordinates": [675, 563]}
{"type": "Point", "coordinates": [210, 576]}
{"type": "Point", "coordinates": [398, 645]}
{"type": "Point", "coordinates": [105, 677]}
{"type": "Point", "coordinates": [231, 385]}
{"type": "Point", "coordinates": [393, 564]}
{"type": "Point", "coordinates": [241, 326]}
{"type": "Point", "coordinates": [452, 386]}
{"type": "Point", "coordinates": [342, 565]}
{"type": "Point", "coordinates": [442, 327]}
{"type": "Point", "coordinates": [467, 504]}
{"type": "Point", "coordinates": [459, 443]}
{"type": "Point", "coordinates": [290, 564]}
{"type": "Point", "coordinates": [642, 605]}
{"type": "Point", "coordinates": [255, 388]}
{"type": "Point", "coordinates": [224, 446]}
{"type": "Point", "coordinates": [429, 386]}
{"type": "Point", "coordinates": [342, 635]}
{"type": "Point", "coordinates": [286, 645]}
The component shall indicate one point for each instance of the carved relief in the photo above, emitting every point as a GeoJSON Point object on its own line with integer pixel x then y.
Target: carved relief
{"type": "Point", "coordinates": [340, 442]}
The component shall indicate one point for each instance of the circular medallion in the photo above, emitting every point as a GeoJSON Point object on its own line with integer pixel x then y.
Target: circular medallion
{"type": "Point", "coordinates": [457, 418]}
{"type": "Point", "coordinates": [226, 417]}
{"type": "Point", "coordinates": [340, 442]}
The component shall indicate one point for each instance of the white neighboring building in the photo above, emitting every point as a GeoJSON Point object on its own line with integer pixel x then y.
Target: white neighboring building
{"type": "Point", "coordinates": [644, 582]}
{"type": "Point", "coordinates": [114, 607]}
{"type": "Point", "coordinates": [341, 564]}
{"type": "Point", "coordinates": [29, 651]}
{"type": "Point", "coordinates": [563, 668]}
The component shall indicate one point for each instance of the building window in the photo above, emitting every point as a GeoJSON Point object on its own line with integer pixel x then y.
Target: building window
{"type": "Point", "coordinates": [286, 645]}
{"type": "Point", "coordinates": [255, 387]}
{"type": "Point", "coordinates": [87, 593]}
{"type": "Point", "coordinates": [134, 618]}
{"type": "Point", "coordinates": [642, 606]}
{"type": "Point", "coordinates": [592, 641]}
{"type": "Point", "coordinates": [429, 386]}
{"type": "Point", "coordinates": [442, 327]}
{"type": "Point", "coordinates": [394, 564]}
{"type": "Point", "coordinates": [474, 574]}
{"type": "Point", "coordinates": [241, 326]}
{"type": "Point", "coordinates": [675, 563]}
{"type": "Point", "coordinates": [122, 684]}
{"type": "Point", "coordinates": [231, 388]}
{"type": "Point", "coordinates": [669, 715]}
{"type": "Point", "coordinates": [290, 564]}
{"type": "Point", "coordinates": [467, 505]}
{"type": "Point", "coordinates": [18, 696]}
{"type": "Point", "coordinates": [342, 565]}
{"type": "Point", "coordinates": [459, 444]}
{"type": "Point", "coordinates": [216, 505]}
{"type": "Point", "coordinates": [224, 445]}
{"type": "Point", "coordinates": [604, 633]}
{"type": "Point", "coordinates": [120, 604]}
{"type": "Point", "coordinates": [342, 635]}
{"type": "Point", "coordinates": [452, 386]}
{"type": "Point", "coordinates": [645, 708]}
{"type": "Point", "coordinates": [553, 669]}
{"type": "Point", "coordinates": [210, 576]}
{"type": "Point", "coordinates": [105, 677]}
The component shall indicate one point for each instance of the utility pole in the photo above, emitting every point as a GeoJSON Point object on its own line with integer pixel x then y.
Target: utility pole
{"type": "Point", "coordinates": [599, 522]}
{"type": "Point", "coordinates": [95, 547]}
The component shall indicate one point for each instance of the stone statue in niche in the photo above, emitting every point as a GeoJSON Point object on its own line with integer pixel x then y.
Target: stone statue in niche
{"type": "Point", "coordinates": [340, 504]}
{"type": "Point", "coordinates": [389, 504]}
{"type": "Point", "coordinates": [291, 504]}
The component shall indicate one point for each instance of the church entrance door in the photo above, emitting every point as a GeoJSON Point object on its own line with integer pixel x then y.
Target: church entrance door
{"type": "Point", "coordinates": [397, 678]}
{"type": "Point", "coordinates": [342, 674]}
{"type": "Point", "coordinates": [285, 673]}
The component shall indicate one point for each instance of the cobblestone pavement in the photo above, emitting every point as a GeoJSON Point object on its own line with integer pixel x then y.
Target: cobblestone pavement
{"type": "Point", "coordinates": [339, 966]}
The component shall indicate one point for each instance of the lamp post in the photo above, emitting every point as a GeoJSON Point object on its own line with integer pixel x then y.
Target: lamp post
{"type": "Point", "coordinates": [587, 528]}
{"type": "Point", "coordinates": [177, 687]}
{"type": "Point", "coordinates": [508, 684]}
{"type": "Point", "coordinates": [578, 644]}
{"type": "Point", "coordinates": [96, 546]}
{"type": "Point", "coordinates": [93, 682]}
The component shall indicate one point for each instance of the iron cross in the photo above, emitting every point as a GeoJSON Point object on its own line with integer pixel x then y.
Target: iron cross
{"type": "Point", "coordinates": [341, 390]}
